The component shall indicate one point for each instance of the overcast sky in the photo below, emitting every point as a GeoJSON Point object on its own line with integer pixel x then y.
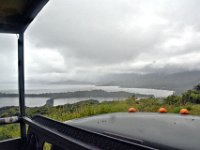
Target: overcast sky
{"type": "Point", "coordinates": [83, 39]}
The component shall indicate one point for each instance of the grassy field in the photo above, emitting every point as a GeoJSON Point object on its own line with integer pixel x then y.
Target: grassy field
{"type": "Point", "coordinates": [92, 107]}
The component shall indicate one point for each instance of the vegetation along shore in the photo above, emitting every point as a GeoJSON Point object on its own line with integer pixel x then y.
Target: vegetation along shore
{"type": "Point", "coordinates": [189, 100]}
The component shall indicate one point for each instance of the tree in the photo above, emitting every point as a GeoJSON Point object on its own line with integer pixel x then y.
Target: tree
{"type": "Point", "coordinates": [197, 87]}
{"type": "Point", "coordinates": [173, 100]}
{"type": "Point", "coordinates": [191, 96]}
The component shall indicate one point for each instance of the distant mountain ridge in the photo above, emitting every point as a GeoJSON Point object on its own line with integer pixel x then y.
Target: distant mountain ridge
{"type": "Point", "coordinates": [78, 94]}
{"type": "Point", "coordinates": [178, 82]}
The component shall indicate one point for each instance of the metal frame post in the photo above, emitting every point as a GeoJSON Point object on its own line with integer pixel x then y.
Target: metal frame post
{"type": "Point", "coordinates": [21, 84]}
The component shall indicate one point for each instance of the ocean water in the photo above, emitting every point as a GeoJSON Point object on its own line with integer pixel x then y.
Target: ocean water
{"type": "Point", "coordinates": [40, 101]}
{"type": "Point", "coordinates": [30, 101]}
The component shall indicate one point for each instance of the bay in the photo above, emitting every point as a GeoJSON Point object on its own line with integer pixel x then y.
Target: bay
{"type": "Point", "coordinates": [40, 101]}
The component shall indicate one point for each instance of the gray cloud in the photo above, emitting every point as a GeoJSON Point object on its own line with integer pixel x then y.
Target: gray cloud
{"type": "Point", "coordinates": [8, 58]}
{"type": "Point", "coordinates": [85, 39]}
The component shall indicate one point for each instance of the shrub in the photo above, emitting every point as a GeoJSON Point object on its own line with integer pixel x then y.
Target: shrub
{"type": "Point", "coordinates": [177, 110]}
{"type": "Point", "coordinates": [173, 100]}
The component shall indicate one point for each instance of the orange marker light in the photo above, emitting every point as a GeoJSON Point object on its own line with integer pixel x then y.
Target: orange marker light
{"type": "Point", "coordinates": [184, 112]}
{"type": "Point", "coordinates": [162, 110]}
{"type": "Point", "coordinates": [131, 110]}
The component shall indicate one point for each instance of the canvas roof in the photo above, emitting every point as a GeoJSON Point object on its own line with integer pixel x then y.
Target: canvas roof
{"type": "Point", "coordinates": [16, 15]}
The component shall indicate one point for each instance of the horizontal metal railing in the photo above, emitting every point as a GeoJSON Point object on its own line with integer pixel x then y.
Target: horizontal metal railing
{"type": "Point", "coordinates": [10, 144]}
{"type": "Point", "coordinates": [9, 120]}
{"type": "Point", "coordinates": [67, 137]}
{"type": "Point", "coordinates": [63, 136]}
